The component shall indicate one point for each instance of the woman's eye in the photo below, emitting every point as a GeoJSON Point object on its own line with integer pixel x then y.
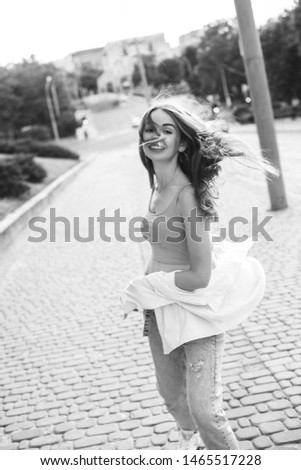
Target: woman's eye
{"type": "Point", "coordinates": [148, 129]}
{"type": "Point", "coordinates": [168, 131]}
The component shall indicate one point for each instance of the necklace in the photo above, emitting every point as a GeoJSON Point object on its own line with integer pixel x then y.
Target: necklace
{"type": "Point", "coordinates": [166, 185]}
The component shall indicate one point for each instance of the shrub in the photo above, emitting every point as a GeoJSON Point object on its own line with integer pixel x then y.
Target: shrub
{"type": "Point", "coordinates": [15, 146]}
{"type": "Point", "coordinates": [23, 146]}
{"type": "Point", "coordinates": [7, 146]}
{"type": "Point", "coordinates": [30, 170]}
{"type": "Point", "coordinates": [52, 151]}
{"type": "Point", "coordinates": [41, 149]}
{"type": "Point", "coordinates": [40, 133]}
{"type": "Point", "coordinates": [11, 179]}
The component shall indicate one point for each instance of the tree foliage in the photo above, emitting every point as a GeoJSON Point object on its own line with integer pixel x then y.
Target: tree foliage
{"type": "Point", "coordinates": [88, 79]}
{"type": "Point", "coordinates": [151, 70]}
{"type": "Point", "coordinates": [167, 72]}
{"type": "Point", "coordinates": [219, 50]}
{"type": "Point", "coordinates": [170, 72]}
{"type": "Point", "coordinates": [9, 103]}
{"type": "Point", "coordinates": [217, 53]}
{"type": "Point", "coordinates": [281, 45]}
{"type": "Point", "coordinates": [23, 102]}
{"type": "Point", "coordinates": [216, 61]}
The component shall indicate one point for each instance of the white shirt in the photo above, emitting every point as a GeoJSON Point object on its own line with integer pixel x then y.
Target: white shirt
{"type": "Point", "coordinates": [236, 287]}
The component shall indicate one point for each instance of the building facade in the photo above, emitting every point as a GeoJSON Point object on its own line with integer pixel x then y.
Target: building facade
{"type": "Point", "coordinates": [77, 61]}
{"type": "Point", "coordinates": [192, 39]}
{"type": "Point", "coordinates": [120, 58]}
{"type": "Point", "coordinates": [117, 59]}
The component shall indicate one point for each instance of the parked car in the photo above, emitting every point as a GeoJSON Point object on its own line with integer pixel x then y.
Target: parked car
{"type": "Point", "coordinates": [282, 109]}
{"type": "Point", "coordinates": [244, 113]}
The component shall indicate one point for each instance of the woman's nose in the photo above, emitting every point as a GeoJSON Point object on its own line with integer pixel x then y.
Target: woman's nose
{"type": "Point", "coordinates": [159, 133]}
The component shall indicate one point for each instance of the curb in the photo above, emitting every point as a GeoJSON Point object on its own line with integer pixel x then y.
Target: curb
{"type": "Point", "coordinates": [13, 223]}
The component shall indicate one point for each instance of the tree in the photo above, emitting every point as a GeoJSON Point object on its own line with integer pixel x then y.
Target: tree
{"type": "Point", "coordinates": [9, 105]}
{"type": "Point", "coordinates": [88, 79]}
{"type": "Point", "coordinates": [136, 76]}
{"type": "Point", "coordinates": [23, 102]}
{"type": "Point", "coordinates": [190, 69]}
{"type": "Point", "coordinates": [151, 70]}
{"type": "Point", "coordinates": [29, 86]}
{"type": "Point", "coordinates": [218, 53]}
{"type": "Point", "coordinates": [170, 72]}
{"type": "Point", "coordinates": [218, 56]}
{"type": "Point", "coordinates": [281, 45]}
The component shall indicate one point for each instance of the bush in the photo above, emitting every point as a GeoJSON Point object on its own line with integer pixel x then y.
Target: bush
{"type": "Point", "coordinates": [7, 146]}
{"type": "Point", "coordinates": [15, 146]}
{"type": "Point", "coordinates": [39, 148]}
{"type": "Point", "coordinates": [40, 133]}
{"type": "Point", "coordinates": [23, 146]}
{"type": "Point", "coordinates": [52, 151]}
{"type": "Point", "coordinates": [11, 179]}
{"type": "Point", "coordinates": [30, 170]}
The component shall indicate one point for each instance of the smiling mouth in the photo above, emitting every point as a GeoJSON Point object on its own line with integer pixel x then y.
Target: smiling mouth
{"type": "Point", "coordinates": [156, 147]}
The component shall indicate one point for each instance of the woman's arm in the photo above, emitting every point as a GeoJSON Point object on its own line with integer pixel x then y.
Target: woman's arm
{"type": "Point", "coordinates": [199, 252]}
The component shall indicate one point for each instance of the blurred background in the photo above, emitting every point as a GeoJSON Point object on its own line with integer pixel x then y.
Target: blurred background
{"type": "Point", "coordinates": [47, 53]}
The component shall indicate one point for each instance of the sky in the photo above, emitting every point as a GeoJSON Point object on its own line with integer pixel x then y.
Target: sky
{"type": "Point", "coordinates": [51, 29]}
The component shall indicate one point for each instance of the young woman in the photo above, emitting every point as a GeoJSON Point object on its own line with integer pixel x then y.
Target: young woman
{"type": "Point", "coordinates": [182, 157]}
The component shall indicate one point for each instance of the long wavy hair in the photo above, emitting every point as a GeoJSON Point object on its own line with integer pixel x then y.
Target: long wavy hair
{"type": "Point", "coordinates": [206, 148]}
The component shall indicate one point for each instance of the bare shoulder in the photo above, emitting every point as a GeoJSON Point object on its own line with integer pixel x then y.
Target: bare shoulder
{"type": "Point", "coordinates": [187, 201]}
{"type": "Point", "coordinates": [190, 207]}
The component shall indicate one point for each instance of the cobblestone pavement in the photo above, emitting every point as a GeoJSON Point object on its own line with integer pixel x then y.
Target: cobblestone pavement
{"type": "Point", "coordinates": [75, 375]}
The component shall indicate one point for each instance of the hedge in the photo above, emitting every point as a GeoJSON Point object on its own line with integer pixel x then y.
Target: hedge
{"type": "Point", "coordinates": [31, 171]}
{"type": "Point", "coordinates": [16, 171]}
{"type": "Point", "coordinates": [52, 151]}
{"type": "Point", "coordinates": [36, 132]}
{"type": "Point", "coordinates": [11, 179]}
{"type": "Point", "coordinates": [40, 149]}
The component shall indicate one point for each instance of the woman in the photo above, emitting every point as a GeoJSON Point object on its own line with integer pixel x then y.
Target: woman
{"type": "Point", "coordinates": [182, 157]}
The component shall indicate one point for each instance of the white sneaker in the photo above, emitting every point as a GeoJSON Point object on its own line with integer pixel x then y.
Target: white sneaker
{"type": "Point", "coordinates": [188, 440]}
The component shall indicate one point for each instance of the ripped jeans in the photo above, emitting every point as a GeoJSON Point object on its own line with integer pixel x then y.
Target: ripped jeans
{"type": "Point", "coordinates": [189, 381]}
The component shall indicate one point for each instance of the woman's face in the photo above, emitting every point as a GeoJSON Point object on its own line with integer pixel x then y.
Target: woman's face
{"type": "Point", "coordinates": [166, 134]}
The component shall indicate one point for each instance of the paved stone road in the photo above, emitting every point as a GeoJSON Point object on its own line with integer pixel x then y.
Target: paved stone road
{"type": "Point", "coordinates": [75, 375]}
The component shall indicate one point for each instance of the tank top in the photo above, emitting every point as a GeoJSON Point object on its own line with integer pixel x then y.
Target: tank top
{"type": "Point", "coordinates": [165, 231]}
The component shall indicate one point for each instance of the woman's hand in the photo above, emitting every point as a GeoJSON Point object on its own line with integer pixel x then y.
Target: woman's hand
{"type": "Point", "coordinates": [125, 315]}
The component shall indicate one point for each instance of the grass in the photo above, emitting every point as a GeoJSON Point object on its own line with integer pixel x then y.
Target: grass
{"type": "Point", "coordinates": [55, 167]}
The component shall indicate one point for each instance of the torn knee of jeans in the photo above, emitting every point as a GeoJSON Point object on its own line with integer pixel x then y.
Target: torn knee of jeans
{"type": "Point", "coordinates": [196, 367]}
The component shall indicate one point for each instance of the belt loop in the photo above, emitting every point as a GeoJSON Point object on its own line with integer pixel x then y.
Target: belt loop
{"type": "Point", "coordinates": [147, 321]}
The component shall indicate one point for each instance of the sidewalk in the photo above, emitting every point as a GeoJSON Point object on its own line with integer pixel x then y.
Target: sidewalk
{"type": "Point", "coordinates": [77, 376]}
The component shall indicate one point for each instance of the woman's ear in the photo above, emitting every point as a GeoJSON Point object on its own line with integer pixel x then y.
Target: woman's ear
{"type": "Point", "coordinates": [183, 146]}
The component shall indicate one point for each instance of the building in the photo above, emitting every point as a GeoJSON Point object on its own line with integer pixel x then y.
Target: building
{"type": "Point", "coordinates": [190, 39]}
{"type": "Point", "coordinates": [76, 61]}
{"type": "Point", "coordinates": [117, 59]}
{"type": "Point", "coordinates": [90, 58]}
{"type": "Point", "coordinates": [121, 56]}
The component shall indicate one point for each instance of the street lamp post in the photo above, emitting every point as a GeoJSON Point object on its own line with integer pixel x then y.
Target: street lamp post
{"type": "Point", "coordinates": [55, 100]}
{"type": "Point", "coordinates": [260, 94]}
{"type": "Point", "coordinates": [225, 87]}
{"type": "Point", "coordinates": [48, 93]}
{"type": "Point", "coordinates": [142, 72]}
